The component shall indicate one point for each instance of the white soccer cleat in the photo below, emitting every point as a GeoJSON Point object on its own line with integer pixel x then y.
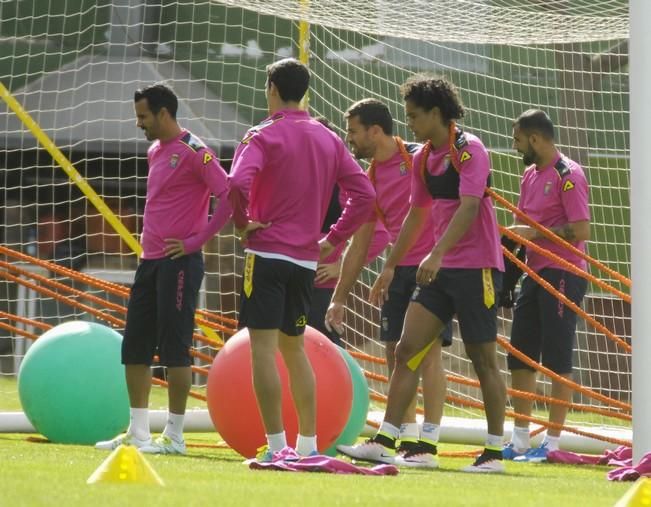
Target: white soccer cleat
{"type": "Point", "coordinates": [164, 445]}
{"type": "Point", "coordinates": [489, 462]}
{"type": "Point", "coordinates": [419, 455]}
{"type": "Point", "coordinates": [124, 439]}
{"type": "Point", "coordinates": [371, 450]}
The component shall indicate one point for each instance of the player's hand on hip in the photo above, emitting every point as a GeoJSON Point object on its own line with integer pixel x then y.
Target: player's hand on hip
{"type": "Point", "coordinates": [174, 248]}
{"type": "Point", "coordinates": [334, 318]}
{"type": "Point", "coordinates": [428, 269]}
{"type": "Point", "coordinates": [380, 290]}
{"type": "Point", "coordinates": [250, 228]}
{"type": "Point", "coordinates": [325, 272]}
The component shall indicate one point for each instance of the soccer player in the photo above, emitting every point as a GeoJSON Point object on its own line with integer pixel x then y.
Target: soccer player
{"type": "Point", "coordinates": [369, 128]}
{"type": "Point", "coordinates": [183, 173]}
{"type": "Point", "coordinates": [460, 275]}
{"type": "Point", "coordinates": [553, 192]}
{"type": "Point", "coordinates": [328, 269]}
{"type": "Point", "coordinates": [283, 175]}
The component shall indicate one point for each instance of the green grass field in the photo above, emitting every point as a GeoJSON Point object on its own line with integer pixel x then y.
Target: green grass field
{"type": "Point", "coordinates": [43, 36]}
{"type": "Point", "coordinates": [45, 473]}
{"type": "Point", "coordinates": [36, 473]}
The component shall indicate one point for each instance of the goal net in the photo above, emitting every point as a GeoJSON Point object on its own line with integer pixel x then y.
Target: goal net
{"type": "Point", "coordinates": [74, 67]}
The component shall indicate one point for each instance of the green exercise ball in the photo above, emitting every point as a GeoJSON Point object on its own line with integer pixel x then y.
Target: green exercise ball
{"type": "Point", "coordinates": [71, 384]}
{"type": "Point", "coordinates": [359, 408]}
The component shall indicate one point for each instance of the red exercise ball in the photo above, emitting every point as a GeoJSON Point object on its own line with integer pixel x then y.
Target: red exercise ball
{"type": "Point", "coordinates": [233, 407]}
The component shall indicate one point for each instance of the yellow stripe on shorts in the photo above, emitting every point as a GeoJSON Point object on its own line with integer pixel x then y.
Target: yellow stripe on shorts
{"type": "Point", "coordinates": [249, 261]}
{"type": "Point", "coordinates": [415, 361]}
{"type": "Point", "coordinates": [489, 289]}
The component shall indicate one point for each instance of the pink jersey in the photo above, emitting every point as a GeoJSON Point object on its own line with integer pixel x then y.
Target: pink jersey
{"type": "Point", "coordinates": [283, 173]}
{"type": "Point", "coordinates": [183, 173]}
{"type": "Point", "coordinates": [554, 196]}
{"type": "Point", "coordinates": [392, 182]}
{"type": "Point", "coordinates": [480, 246]}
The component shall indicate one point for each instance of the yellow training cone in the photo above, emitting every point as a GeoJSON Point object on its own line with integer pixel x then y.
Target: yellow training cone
{"type": "Point", "coordinates": [125, 464]}
{"type": "Point", "coordinates": [638, 496]}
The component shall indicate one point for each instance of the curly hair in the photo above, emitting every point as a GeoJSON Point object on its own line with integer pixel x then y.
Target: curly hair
{"type": "Point", "coordinates": [428, 92]}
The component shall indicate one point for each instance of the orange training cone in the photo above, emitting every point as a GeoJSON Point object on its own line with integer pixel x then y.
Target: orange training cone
{"type": "Point", "coordinates": [638, 496]}
{"type": "Point", "coordinates": [127, 465]}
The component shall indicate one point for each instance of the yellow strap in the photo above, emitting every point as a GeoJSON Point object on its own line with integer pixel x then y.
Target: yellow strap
{"type": "Point", "coordinates": [489, 290]}
{"type": "Point", "coordinates": [415, 361]}
{"type": "Point", "coordinates": [248, 274]}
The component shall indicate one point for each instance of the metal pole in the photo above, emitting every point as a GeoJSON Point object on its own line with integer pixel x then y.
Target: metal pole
{"type": "Point", "coordinates": [640, 109]}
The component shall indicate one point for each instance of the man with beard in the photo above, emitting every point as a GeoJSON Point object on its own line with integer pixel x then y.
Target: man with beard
{"type": "Point", "coordinates": [369, 132]}
{"type": "Point", "coordinates": [554, 193]}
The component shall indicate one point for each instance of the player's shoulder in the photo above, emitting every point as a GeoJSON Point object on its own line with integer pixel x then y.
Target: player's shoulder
{"type": "Point", "coordinates": [192, 142]}
{"type": "Point", "coordinates": [466, 140]}
{"type": "Point", "coordinates": [566, 167]}
{"type": "Point", "coordinates": [266, 126]}
{"type": "Point", "coordinates": [469, 147]}
{"type": "Point", "coordinates": [412, 148]}
{"type": "Point", "coordinates": [197, 148]}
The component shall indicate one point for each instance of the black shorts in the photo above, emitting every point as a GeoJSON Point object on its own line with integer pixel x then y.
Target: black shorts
{"type": "Point", "coordinates": [160, 315]}
{"type": "Point", "coordinates": [542, 325]}
{"type": "Point", "coordinates": [316, 317]}
{"type": "Point", "coordinates": [470, 294]}
{"type": "Point", "coordinates": [276, 294]}
{"type": "Point", "coordinates": [392, 314]}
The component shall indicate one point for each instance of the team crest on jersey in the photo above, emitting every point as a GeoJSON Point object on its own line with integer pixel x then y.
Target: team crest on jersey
{"type": "Point", "coordinates": [174, 160]}
{"type": "Point", "coordinates": [548, 187]}
{"type": "Point", "coordinates": [403, 169]}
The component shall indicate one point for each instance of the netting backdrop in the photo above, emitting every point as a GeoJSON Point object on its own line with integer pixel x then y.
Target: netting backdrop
{"type": "Point", "coordinates": [74, 67]}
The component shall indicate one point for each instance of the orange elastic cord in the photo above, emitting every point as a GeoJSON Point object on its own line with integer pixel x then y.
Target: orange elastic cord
{"type": "Point", "coordinates": [406, 157]}
{"type": "Point", "coordinates": [111, 288]}
{"type": "Point", "coordinates": [568, 266]}
{"type": "Point", "coordinates": [570, 304]}
{"type": "Point", "coordinates": [557, 239]}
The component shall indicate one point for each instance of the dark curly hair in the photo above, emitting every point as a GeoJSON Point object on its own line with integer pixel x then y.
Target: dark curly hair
{"type": "Point", "coordinates": [428, 92]}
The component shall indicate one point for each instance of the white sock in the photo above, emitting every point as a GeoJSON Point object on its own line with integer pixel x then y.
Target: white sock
{"type": "Point", "coordinates": [430, 433]}
{"type": "Point", "coordinates": [277, 441]}
{"type": "Point", "coordinates": [552, 442]}
{"type": "Point", "coordinates": [139, 423]}
{"type": "Point", "coordinates": [494, 441]}
{"type": "Point", "coordinates": [520, 438]}
{"type": "Point", "coordinates": [174, 426]}
{"type": "Point", "coordinates": [305, 445]}
{"type": "Point", "coordinates": [409, 431]}
{"type": "Point", "coordinates": [389, 430]}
